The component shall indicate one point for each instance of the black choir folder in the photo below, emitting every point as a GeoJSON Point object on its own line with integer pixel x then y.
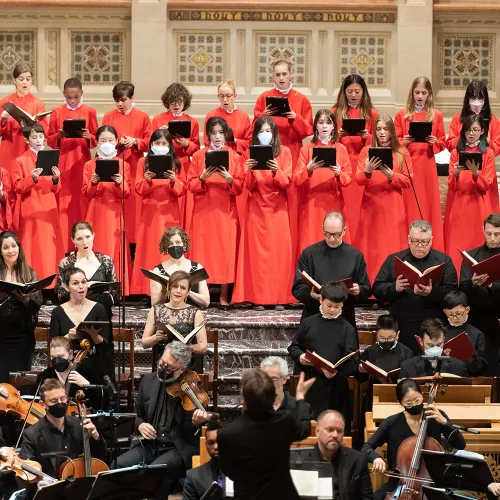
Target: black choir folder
{"type": "Point", "coordinates": [21, 116]}
{"type": "Point", "coordinates": [384, 154]}
{"type": "Point", "coordinates": [180, 127]}
{"type": "Point", "coordinates": [217, 159]}
{"type": "Point", "coordinates": [261, 154]}
{"type": "Point", "coordinates": [353, 125]}
{"type": "Point", "coordinates": [314, 284]}
{"type": "Point", "coordinates": [463, 156]}
{"type": "Point", "coordinates": [73, 127]}
{"type": "Point", "coordinates": [103, 286]}
{"type": "Point", "coordinates": [159, 164]}
{"type": "Point", "coordinates": [420, 130]}
{"type": "Point", "coordinates": [281, 104]}
{"type": "Point", "coordinates": [9, 288]}
{"type": "Point", "coordinates": [490, 266]}
{"type": "Point", "coordinates": [328, 155]}
{"type": "Point", "coordinates": [105, 169]}
{"type": "Point", "coordinates": [46, 159]}
{"type": "Point", "coordinates": [194, 277]}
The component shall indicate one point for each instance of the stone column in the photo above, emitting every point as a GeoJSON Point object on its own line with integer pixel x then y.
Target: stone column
{"type": "Point", "coordinates": [414, 45]}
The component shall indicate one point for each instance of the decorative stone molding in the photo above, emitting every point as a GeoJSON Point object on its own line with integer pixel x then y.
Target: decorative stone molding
{"type": "Point", "coordinates": [16, 46]}
{"type": "Point", "coordinates": [52, 53]}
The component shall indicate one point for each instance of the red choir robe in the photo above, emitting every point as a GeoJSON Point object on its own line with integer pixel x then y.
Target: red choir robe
{"type": "Point", "coordinates": [265, 261]}
{"type": "Point", "coordinates": [184, 155]}
{"type": "Point", "coordinates": [74, 154]}
{"type": "Point", "coordinates": [215, 228]}
{"type": "Point", "coordinates": [383, 225]}
{"type": "Point", "coordinates": [354, 144]}
{"type": "Point", "coordinates": [7, 208]}
{"type": "Point", "coordinates": [425, 178]}
{"type": "Point", "coordinates": [104, 215]}
{"type": "Point", "coordinates": [137, 125]}
{"type": "Point", "coordinates": [39, 229]}
{"type": "Point", "coordinates": [472, 203]}
{"type": "Point", "coordinates": [322, 191]}
{"type": "Point", "coordinates": [160, 210]}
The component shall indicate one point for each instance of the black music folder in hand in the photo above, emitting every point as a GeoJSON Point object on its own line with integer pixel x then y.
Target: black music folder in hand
{"type": "Point", "coordinates": [218, 159]}
{"type": "Point", "coordinates": [420, 130]}
{"type": "Point", "coordinates": [384, 154]}
{"type": "Point", "coordinates": [463, 156]}
{"type": "Point", "coordinates": [73, 127]}
{"type": "Point", "coordinates": [46, 159]}
{"type": "Point", "coordinates": [159, 164]}
{"type": "Point", "coordinates": [35, 286]}
{"type": "Point", "coordinates": [261, 154]}
{"type": "Point", "coordinates": [353, 125]}
{"type": "Point", "coordinates": [105, 169]}
{"type": "Point", "coordinates": [327, 155]}
{"type": "Point", "coordinates": [281, 104]}
{"type": "Point", "coordinates": [180, 127]}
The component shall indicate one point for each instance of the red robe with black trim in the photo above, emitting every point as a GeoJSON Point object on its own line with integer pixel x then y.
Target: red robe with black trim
{"type": "Point", "coordinates": [137, 125]}
{"type": "Point", "coordinates": [425, 178]}
{"type": "Point", "coordinates": [383, 225]}
{"type": "Point", "coordinates": [265, 260]}
{"type": "Point", "coordinates": [39, 229]}
{"type": "Point", "coordinates": [74, 154]}
{"type": "Point", "coordinates": [215, 227]}
{"type": "Point", "coordinates": [160, 210]}
{"type": "Point", "coordinates": [323, 192]}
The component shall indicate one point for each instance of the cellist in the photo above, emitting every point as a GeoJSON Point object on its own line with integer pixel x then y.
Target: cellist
{"type": "Point", "coordinates": [397, 428]}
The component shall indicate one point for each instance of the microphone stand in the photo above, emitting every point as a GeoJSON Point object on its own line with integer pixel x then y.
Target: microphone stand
{"type": "Point", "coordinates": [414, 191]}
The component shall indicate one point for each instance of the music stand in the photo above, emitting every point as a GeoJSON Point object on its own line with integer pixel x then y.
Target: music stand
{"type": "Point", "coordinates": [438, 494]}
{"type": "Point", "coordinates": [131, 483]}
{"type": "Point", "coordinates": [112, 426]}
{"type": "Point", "coordinates": [458, 472]}
{"type": "Point", "coordinates": [69, 489]}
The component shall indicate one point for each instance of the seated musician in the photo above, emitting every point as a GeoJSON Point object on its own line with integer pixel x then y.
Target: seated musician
{"type": "Point", "coordinates": [433, 334]}
{"type": "Point", "coordinates": [350, 476]}
{"type": "Point", "coordinates": [162, 421]}
{"type": "Point", "coordinates": [199, 479]}
{"type": "Point", "coordinates": [406, 424]}
{"type": "Point", "coordinates": [457, 311]}
{"type": "Point", "coordinates": [329, 335]}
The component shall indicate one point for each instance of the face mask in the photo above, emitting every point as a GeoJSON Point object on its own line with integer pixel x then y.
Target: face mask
{"type": "Point", "coordinates": [160, 150]}
{"type": "Point", "coordinates": [166, 376]}
{"type": "Point", "coordinates": [265, 138]}
{"type": "Point", "coordinates": [176, 251]}
{"type": "Point", "coordinates": [107, 148]}
{"type": "Point", "coordinates": [476, 105]}
{"type": "Point", "coordinates": [434, 351]}
{"type": "Point", "coordinates": [387, 346]}
{"type": "Point", "coordinates": [60, 364]}
{"type": "Point", "coordinates": [58, 410]}
{"type": "Point", "coordinates": [415, 410]}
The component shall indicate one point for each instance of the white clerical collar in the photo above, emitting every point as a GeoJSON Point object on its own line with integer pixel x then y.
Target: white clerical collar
{"type": "Point", "coordinates": [36, 150]}
{"type": "Point", "coordinates": [325, 141]}
{"type": "Point", "coordinates": [76, 107]}
{"type": "Point", "coordinates": [286, 91]}
{"type": "Point", "coordinates": [418, 108]}
{"type": "Point", "coordinates": [177, 114]}
{"type": "Point", "coordinates": [323, 315]}
{"type": "Point", "coordinates": [129, 110]}
{"type": "Point", "coordinates": [227, 110]}
{"type": "Point", "coordinates": [215, 148]}
{"type": "Point", "coordinates": [352, 106]}
{"type": "Point", "coordinates": [473, 144]}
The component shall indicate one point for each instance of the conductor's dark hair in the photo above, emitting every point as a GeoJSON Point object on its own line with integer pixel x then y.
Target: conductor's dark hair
{"type": "Point", "coordinates": [212, 122]}
{"type": "Point", "coordinates": [387, 322]}
{"type": "Point", "coordinates": [493, 219]}
{"type": "Point", "coordinates": [177, 92]}
{"type": "Point", "coordinates": [34, 127]}
{"type": "Point", "coordinates": [405, 385]}
{"type": "Point", "coordinates": [476, 89]}
{"type": "Point", "coordinates": [23, 272]}
{"type": "Point", "coordinates": [72, 83]}
{"type": "Point", "coordinates": [433, 328]}
{"type": "Point", "coordinates": [258, 391]}
{"type": "Point", "coordinates": [335, 292]}
{"type": "Point", "coordinates": [106, 128]}
{"type": "Point", "coordinates": [71, 271]}
{"type": "Point", "coordinates": [213, 424]}
{"type": "Point", "coordinates": [163, 133]}
{"type": "Point", "coordinates": [454, 298]}
{"type": "Point", "coordinates": [274, 130]}
{"type": "Point", "coordinates": [123, 89]}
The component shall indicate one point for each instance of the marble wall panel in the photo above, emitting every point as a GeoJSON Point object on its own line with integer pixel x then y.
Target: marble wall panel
{"type": "Point", "coordinates": [16, 46]}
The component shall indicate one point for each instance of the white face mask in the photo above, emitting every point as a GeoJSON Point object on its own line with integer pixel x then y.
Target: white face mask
{"type": "Point", "coordinates": [476, 105]}
{"type": "Point", "coordinates": [434, 351]}
{"type": "Point", "coordinates": [107, 149]}
{"type": "Point", "coordinates": [160, 150]}
{"type": "Point", "coordinates": [265, 138]}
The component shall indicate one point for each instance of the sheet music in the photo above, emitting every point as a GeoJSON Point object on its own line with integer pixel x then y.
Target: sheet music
{"type": "Point", "coordinates": [306, 482]}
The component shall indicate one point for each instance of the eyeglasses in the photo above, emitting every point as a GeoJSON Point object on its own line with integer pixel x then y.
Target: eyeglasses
{"type": "Point", "coordinates": [179, 102]}
{"type": "Point", "coordinates": [475, 130]}
{"type": "Point", "coordinates": [333, 235]}
{"type": "Point", "coordinates": [387, 339]}
{"type": "Point", "coordinates": [221, 97]}
{"type": "Point", "coordinates": [455, 315]}
{"type": "Point", "coordinates": [276, 379]}
{"type": "Point", "coordinates": [420, 243]}
{"type": "Point", "coordinates": [415, 402]}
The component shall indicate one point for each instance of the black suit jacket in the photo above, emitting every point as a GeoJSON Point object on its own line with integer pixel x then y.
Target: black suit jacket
{"type": "Point", "coordinates": [39, 439]}
{"type": "Point", "coordinates": [353, 475]}
{"type": "Point", "coordinates": [255, 453]}
{"type": "Point", "coordinates": [198, 480]}
{"type": "Point", "coordinates": [181, 431]}
{"type": "Point", "coordinates": [418, 367]}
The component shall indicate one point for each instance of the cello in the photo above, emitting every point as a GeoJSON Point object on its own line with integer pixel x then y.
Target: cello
{"type": "Point", "coordinates": [413, 473]}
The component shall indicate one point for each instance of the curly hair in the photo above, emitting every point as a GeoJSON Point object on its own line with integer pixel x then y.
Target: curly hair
{"type": "Point", "coordinates": [177, 92]}
{"type": "Point", "coordinates": [167, 236]}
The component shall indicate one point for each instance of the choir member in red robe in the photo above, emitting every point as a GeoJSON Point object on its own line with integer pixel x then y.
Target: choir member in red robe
{"type": "Point", "coordinates": [214, 225]}
{"type": "Point", "coordinates": [382, 219]}
{"type": "Point", "coordinates": [420, 107]}
{"type": "Point", "coordinates": [353, 101]}
{"type": "Point", "coordinates": [322, 187]}
{"type": "Point", "coordinates": [265, 260]}
{"type": "Point", "coordinates": [13, 144]}
{"type": "Point", "coordinates": [7, 200]}
{"type": "Point", "coordinates": [104, 211]}
{"type": "Point", "coordinates": [471, 188]}
{"type": "Point", "coordinates": [133, 128]}
{"type": "Point", "coordinates": [75, 152]}
{"type": "Point", "coordinates": [39, 229]}
{"type": "Point", "coordinates": [160, 207]}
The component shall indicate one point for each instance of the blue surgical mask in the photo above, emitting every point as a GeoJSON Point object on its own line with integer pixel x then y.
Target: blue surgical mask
{"type": "Point", "coordinates": [265, 138]}
{"type": "Point", "coordinates": [434, 351]}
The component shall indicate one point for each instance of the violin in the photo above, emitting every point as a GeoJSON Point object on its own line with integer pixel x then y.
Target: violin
{"type": "Point", "coordinates": [85, 466]}
{"type": "Point", "coordinates": [27, 471]}
{"type": "Point", "coordinates": [11, 402]}
{"type": "Point", "coordinates": [413, 471]}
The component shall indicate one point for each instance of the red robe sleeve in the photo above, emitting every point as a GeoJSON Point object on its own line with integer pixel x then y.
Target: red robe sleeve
{"type": "Point", "coordinates": [260, 106]}
{"type": "Point", "coordinates": [127, 185]}
{"type": "Point", "coordinates": [283, 175]}
{"type": "Point", "coordinates": [195, 185]}
{"type": "Point", "coordinates": [142, 186]}
{"type": "Point", "coordinates": [243, 143]}
{"type": "Point", "coordinates": [237, 171]}
{"type": "Point", "coordinates": [345, 177]}
{"type": "Point", "coordinates": [399, 124]}
{"type": "Point", "coordinates": [88, 189]}
{"type": "Point", "coordinates": [361, 178]}
{"type": "Point", "coordinates": [92, 127]}
{"type": "Point", "coordinates": [452, 179]}
{"type": "Point", "coordinates": [22, 183]}
{"type": "Point", "coordinates": [439, 133]}
{"type": "Point", "coordinates": [453, 133]}
{"type": "Point", "coordinates": [401, 177]}
{"type": "Point", "coordinates": [494, 135]}
{"type": "Point", "coordinates": [303, 123]}
{"type": "Point", "coordinates": [52, 135]}
{"type": "Point", "coordinates": [44, 122]}
{"type": "Point", "coordinates": [301, 174]}
{"type": "Point", "coordinates": [194, 140]}
{"type": "Point", "coordinates": [142, 144]}
{"type": "Point", "coordinates": [9, 196]}
{"type": "Point", "coordinates": [486, 175]}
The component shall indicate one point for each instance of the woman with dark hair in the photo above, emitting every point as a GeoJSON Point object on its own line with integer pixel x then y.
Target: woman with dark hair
{"type": "Point", "coordinates": [19, 312]}
{"type": "Point", "coordinates": [160, 206]}
{"type": "Point", "coordinates": [353, 101]}
{"type": "Point", "coordinates": [215, 227]}
{"type": "Point", "coordinates": [266, 242]}
{"type": "Point", "coordinates": [175, 243]}
{"type": "Point", "coordinates": [396, 428]}
{"type": "Point", "coordinates": [254, 451]}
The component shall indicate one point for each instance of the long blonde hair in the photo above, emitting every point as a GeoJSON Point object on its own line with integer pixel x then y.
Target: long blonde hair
{"type": "Point", "coordinates": [342, 104]}
{"type": "Point", "coordinates": [429, 103]}
{"type": "Point", "coordinates": [395, 145]}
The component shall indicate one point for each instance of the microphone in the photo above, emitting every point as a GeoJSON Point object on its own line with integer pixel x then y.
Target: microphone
{"type": "Point", "coordinates": [465, 429]}
{"type": "Point", "coordinates": [110, 384]}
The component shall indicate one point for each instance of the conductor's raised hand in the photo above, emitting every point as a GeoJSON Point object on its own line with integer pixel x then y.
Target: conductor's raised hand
{"type": "Point", "coordinates": [207, 172]}
{"type": "Point", "coordinates": [35, 173]}
{"type": "Point", "coordinates": [402, 284]}
{"type": "Point", "coordinates": [314, 164]}
{"type": "Point", "coordinates": [303, 386]}
{"type": "Point", "coordinates": [147, 431]}
{"type": "Point", "coordinates": [372, 164]}
{"type": "Point", "coordinates": [272, 164]}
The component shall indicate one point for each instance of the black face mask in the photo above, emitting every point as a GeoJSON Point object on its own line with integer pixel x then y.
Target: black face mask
{"type": "Point", "coordinates": [58, 410]}
{"type": "Point", "coordinates": [176, 251]}
{"type": "Point", "coordinates": [415, 410]}
{"type": "Point", "coordinates": [165, 375]}
{"type": "Point", "coordinates": [386, 346]}
{"type": "Point", "coordinates": [60, 364]}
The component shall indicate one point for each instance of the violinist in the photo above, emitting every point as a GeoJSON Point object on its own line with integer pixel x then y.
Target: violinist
{"type": "Point", "coordinates": [396, 428]}
{"type": "Point", "coordinates": [161, 420]}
